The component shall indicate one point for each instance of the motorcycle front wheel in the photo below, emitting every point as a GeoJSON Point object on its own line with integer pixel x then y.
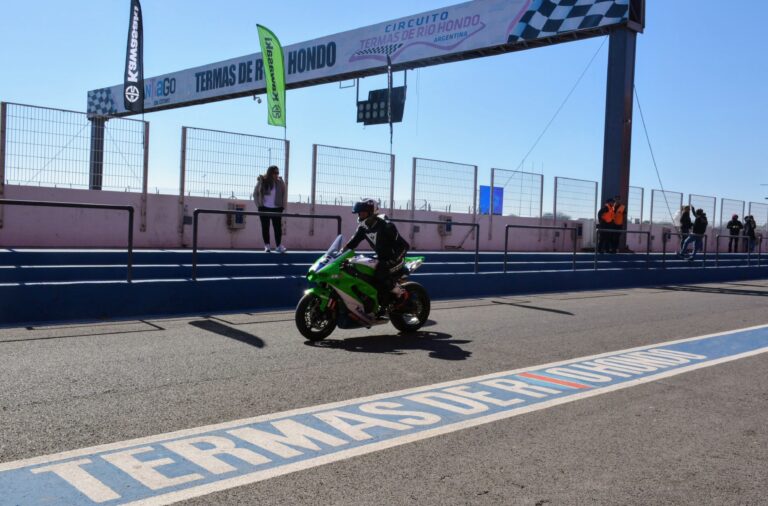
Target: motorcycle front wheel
{"type": "Point", "coordinates": [313, 323]}
{"type": "Point", "coordinates": [415, 312]}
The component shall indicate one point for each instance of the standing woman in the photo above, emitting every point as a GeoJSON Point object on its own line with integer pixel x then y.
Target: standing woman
{"type": "Point", "coordinates": [270, 197]}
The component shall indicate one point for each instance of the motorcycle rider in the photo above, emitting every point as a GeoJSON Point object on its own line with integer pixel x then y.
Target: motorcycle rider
{"type": "Point", "coordinates": [389, 245]}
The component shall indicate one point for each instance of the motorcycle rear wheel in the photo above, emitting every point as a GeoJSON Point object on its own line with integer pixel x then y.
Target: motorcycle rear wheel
{"type": "Point", "coordinates": [416, 311]}
{"type": "Point", "coordinates": [312, 323]}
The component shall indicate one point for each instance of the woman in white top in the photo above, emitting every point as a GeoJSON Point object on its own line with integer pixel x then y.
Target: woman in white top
{"type": "Point", "coordinates": [269, 195]}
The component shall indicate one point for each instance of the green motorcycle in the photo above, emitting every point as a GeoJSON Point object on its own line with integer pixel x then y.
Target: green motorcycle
{"type": "Point", "coordinates": [344, 296]}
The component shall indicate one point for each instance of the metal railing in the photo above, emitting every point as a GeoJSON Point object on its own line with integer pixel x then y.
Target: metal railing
{"type": "Point", "coordinates": [667, 234]}
{"type": "Point", "coordinates": [44, 203]}
{"type": "Point", "coordinates": [574, 230]}
{"type": "Point", "coordinates": [759, 240]}
{"type": "Point", "coordinates": [476, 226]}
{"type": "Point", "coordinates": [198, 212]}
{"type": "Point", "coordinates": [646, 233]}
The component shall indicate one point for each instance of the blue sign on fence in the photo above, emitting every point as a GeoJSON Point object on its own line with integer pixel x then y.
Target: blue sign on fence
{"type": "Point", "coordinates": [498, 199]}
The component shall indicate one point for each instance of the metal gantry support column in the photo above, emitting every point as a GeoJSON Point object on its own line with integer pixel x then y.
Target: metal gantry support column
{"type": "Point", "coordinates": [618, 115]}
{"type": "Point", "coordinates": [96, 173]}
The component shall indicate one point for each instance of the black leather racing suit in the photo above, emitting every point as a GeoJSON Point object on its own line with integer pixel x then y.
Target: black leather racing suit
{"type": "Point", "coordinates": [390, 248]}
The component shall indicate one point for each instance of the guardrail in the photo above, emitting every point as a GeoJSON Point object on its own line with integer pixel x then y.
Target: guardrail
{"type": "Point", "coordinates": [646, 233]}
{"type": "Point", "coordinates": [452, 223]}
{"type": "Point", "coordinates": [45, 203]}
{"type": "Point", "coordinates": [198, 212]}
{"type": "Point", "coordinates": [739, 237]}
{"type": "Point", "coordinates": [666, 235]}
{"type": "Point", "coordinates": [539, 227]}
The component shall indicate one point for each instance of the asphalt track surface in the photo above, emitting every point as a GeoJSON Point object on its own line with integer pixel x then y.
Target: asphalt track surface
{"type": "Point", "coordinates": [700, 437]}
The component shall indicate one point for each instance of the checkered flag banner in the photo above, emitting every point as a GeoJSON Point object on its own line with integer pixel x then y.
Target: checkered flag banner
{"type": "Point", "coordinates": [384, 50]}
{"type": "Point", "coordinates": [101, 103]}
{"type": "Point", "coordinates": [547, 18]}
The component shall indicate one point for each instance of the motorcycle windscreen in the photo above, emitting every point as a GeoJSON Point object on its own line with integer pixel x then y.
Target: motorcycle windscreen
{"type": "Point", "coordinates": [335, 248]}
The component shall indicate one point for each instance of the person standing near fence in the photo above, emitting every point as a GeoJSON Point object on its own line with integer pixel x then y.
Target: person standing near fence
{"type": "Point", "coordinates": [749, 231]}
{"type": "Point", "coordinates": [619, 218]}
{"type": "Point", "coordinates": [605, 222]}
{"type": "Point", "coordinates": [697, 236]}
{"type": "Point", "coordinates": [685, 225]}
{"type": "Point", "coordinates": [270, 197]}
{"type": "Point", "coordinates": [734, 228]}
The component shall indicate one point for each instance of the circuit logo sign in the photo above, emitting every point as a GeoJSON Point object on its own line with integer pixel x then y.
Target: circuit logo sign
{"type": "Point", "coordinates": [132, 93]}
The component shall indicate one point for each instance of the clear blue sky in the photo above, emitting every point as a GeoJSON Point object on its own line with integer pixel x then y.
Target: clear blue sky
{"type": "Point", "coordinates": [701, 75]}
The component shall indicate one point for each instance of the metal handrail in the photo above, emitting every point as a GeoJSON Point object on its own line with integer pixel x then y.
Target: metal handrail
{"type": "Point", "coordinates": [459, 223]}
{"type": "Point", "coordinates": [646, 233]}
{"type": "Point", "coordinates": [759, 240]}
{"type": "Point", "coordinates": [198, 212]}
{"type": "Point", "coordinates": [46, 203]}
{"type": "Point", "coordinates": [668, 234]}
{"type": "Point", "coordinates": [539, 227]}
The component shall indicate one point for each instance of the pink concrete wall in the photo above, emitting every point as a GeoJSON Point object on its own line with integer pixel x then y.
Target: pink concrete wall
{"type": "Point", "coordinates": [79, 228]}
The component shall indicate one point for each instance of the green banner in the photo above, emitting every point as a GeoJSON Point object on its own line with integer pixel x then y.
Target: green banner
{"type": "Point", "coordinates": [274, 74]}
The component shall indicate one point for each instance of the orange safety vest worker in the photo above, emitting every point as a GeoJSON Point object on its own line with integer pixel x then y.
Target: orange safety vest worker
{"type": "Point", "coordinates": [619, 214]}
{"type": "Point", "coordinates": [607, 216]}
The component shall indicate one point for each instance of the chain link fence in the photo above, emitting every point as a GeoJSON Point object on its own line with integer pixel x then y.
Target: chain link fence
{"type": "Point", "coordinates": [707, 204]}
{"type": "Point", "coordinates": [759, 212]}
{"type": "Point", "coordinates": [65, 149]}
{"type": "Point", "coordinates": [635, 205]}
{"type": "Point", "coordinates": [226, 164]}
{"type": "Point", "coordinates": [342, 176]}
{"type": "Point", "coordinates": [664, 205]}
{"type": "Point", "coordinates": [442, 186]}
{"type": "Point", "coordinates": [523, 192]}
{"type": "Point", "coordinates": [574, 199]}
{"type": "Point", "coordinates": [729, 207]}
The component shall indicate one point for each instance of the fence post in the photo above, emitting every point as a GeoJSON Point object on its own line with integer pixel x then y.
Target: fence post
{"type": "Point", "coordinates": [650, 216]}
{"type": "Point", "coordinates": [490, 209]}
{"type": "Point", "coordinates": [554, 204]}
{"type": "Point", "coordinates": [130, 245]}
{"type": "Point", "coordinates": [474, 204]}
{"type": "Point", "coordinates": [195, 217]}
{"type": "Point", "coordinates": [413, 199]}
{"type": "Point", "coordinates": [286, 169]}
{"type": "Point", "coordinates": [182, 183]}
{"type": "Point", "coordinates": [3, 121]}
{"type": "Point", "coordinates": [541, 204]}
{"type": "Point", "coordinates": [145, 176]}
{"type": "Point", "coordinates": [506, 243]}
{"type": "Point", "coordinates": [642, 203]}
{"type": "Point", "coordinates": [392, 185]}
{"type": "Point", "coordinates": [314, 183]}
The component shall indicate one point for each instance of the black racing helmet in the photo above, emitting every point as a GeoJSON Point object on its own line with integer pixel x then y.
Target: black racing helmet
{"type": "Point", "coordinates": [366, 205]}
